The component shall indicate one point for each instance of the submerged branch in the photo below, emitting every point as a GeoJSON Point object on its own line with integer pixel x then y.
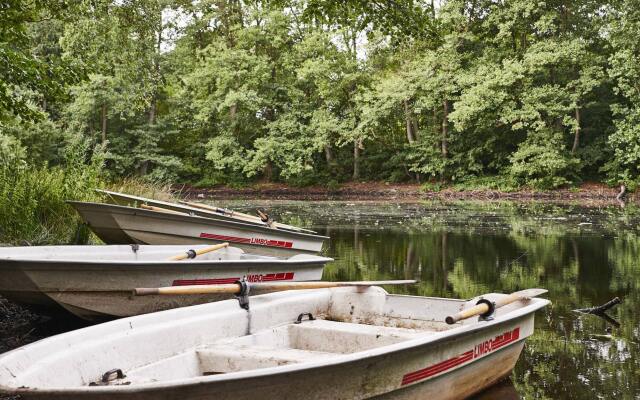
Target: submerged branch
{"type": "Point", "coordinates": [600, 309]}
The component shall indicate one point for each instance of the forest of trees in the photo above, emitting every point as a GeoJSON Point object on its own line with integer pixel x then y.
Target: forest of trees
{"type": "Point", "coordinates": [488, 92]}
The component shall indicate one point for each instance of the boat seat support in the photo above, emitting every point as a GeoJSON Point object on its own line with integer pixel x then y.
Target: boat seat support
{"type": "Point", "coordinates": [243, 295]}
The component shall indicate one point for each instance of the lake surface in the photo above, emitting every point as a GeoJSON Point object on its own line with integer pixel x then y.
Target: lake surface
{"type": "Point", "coordinates": [583, 256]}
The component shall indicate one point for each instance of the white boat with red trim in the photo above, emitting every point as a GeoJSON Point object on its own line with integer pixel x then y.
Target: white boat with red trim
{"type": "Point", "coordinates": [338, 343]}
{"type": "Point", "coordinates": [95, 282]}
{"type": "Point", "coordinates": [117, 224]}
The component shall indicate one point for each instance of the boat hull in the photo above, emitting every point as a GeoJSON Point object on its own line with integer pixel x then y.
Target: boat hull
{"type": "Point", "coordinates": [116, 224]}
{"type": "Point", "coordinates": [340, 384]}
{"type": "Point", "coordinates": [439, 365]}
{"type": "Point", "coordinates": [98, 291]}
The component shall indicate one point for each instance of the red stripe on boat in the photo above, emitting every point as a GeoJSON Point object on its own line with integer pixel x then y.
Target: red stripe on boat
{"type": "Point", "coordinates": [214, 281]}
{"type": "Point", "coordinates": [256, 241]}
{"type": "Point", "coordinates": [437, 368]}
{"type": "Point", "coordinates": [278, 276]}
{"type": "Point", "coordinates": [478, 351]}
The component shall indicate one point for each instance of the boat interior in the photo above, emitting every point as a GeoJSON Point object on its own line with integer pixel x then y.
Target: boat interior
{"type": "Point", "coordinates": [220, 339]}
{"type": "Point", "coordinates": [123, 253]}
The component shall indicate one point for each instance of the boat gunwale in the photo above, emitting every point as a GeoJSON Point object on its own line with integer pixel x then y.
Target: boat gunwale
{"type": "Point", "coordinates": [128, 210]}
{"type": "Point", "coordinates": [340, 359]}
{"type": "Point", "coordinates": [180, 206]}
{"type": "Point", "coordinates": [165, 263]}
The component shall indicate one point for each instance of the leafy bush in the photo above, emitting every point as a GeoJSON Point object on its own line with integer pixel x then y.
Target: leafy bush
{"type": "Point", "coordinates": [11, 151]}
{"type": "Point", "coordinates": [542, 162]}
{"type": "Point", "coordinates": [32, 199]}
{"type": "Point", "coordinates": [499, 182]}
{"type": "Point", "coordinates": [625, 141]}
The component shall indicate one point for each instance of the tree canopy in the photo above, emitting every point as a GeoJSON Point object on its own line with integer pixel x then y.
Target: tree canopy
{"type": "Point", "coordinates": [541, 94]}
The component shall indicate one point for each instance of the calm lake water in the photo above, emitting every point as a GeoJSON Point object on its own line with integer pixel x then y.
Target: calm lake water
{"type": "Point", "coordinates": [583, 256]}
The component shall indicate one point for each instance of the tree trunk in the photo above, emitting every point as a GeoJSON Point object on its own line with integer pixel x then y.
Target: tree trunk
{"type": "Point", "coordinates": [328, 155]}
{"type": "Point", "coordinates": [144, 168]}
{"type": "Point", "coordinates": [414, 124]}
{"type": "Point", "coordinates": [354, 41]}
{"type": "Point", "coordinates": [156, 71]}
{"type": "Point", "coordinates": [267, 171]}
{"type": "Point", "coordinates": [576, 137]}
{"type": "Point", "coordinates": [233, 110]}
{"type": "Point", "coordinates": [104, 124]}
{"type": "Point", "coordinates": [445, 128]}
{"type": "Point", "coordinates": [356, 159]}
{"type": "Point", "coordinates": [409, 122]}
{"type": "Point", "coordinates": [152, 110]}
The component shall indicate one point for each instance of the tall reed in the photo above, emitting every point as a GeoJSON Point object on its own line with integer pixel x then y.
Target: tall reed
{"type": "Point", "coordinates": [138, 186]}
{"type": "Point", "coordinates": [32, 199]}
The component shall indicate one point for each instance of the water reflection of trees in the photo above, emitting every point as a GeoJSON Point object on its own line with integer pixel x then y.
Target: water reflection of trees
{"type": "Point", "coordinates": [571, 356]}
{"type": "Point", "coordinates": [583, 256]}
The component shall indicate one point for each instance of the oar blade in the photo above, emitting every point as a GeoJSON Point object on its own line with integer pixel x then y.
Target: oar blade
{"type": "Point", "coordinates": [529, 293]}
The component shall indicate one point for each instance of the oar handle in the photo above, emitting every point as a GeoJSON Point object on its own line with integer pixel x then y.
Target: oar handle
{"type": "Point", "coordinates": [230, 288]}
{"type": "Point", "coordinates": [160, 209]}
{"type": "Point", "coordinates": [468, 313]}
{"type": "Point", "coordinates": [487, 307]}
{"type": "Point", "coordinates": [195, 253]}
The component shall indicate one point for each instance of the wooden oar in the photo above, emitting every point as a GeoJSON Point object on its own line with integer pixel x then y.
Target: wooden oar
{"type": "Point", "coordinates": [187, 208]}
{"type": "Point", "coordinates": [243, 216]}
{"type": "Point", "coordinates": [484, 308]}
{"type": "Point", "coordinates": [195, 253]}
{"type": "Point", "coordinates": [223, 211]}
{"type": "Point", "coordinates": [119, 198]}
{"type": "Point", "coordinates": [160, 209]}
{"type": "Point", "coordinates": [234, 288]}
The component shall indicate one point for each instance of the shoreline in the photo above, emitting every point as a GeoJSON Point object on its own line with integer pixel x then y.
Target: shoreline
{"type": "Point", "coordinates": [590, 194]}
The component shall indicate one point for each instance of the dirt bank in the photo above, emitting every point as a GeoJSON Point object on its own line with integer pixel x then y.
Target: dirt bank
{"type": "Point", "coordinates": [591, 193]}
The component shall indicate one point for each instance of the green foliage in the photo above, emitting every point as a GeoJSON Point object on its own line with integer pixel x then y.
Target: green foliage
{"type": "Point", "coordinates": [32, 198]}
{"type": "Point", "coordinates": [432, 186]}
{"type": "Point", "coordinates": [11, 151]}
{"type": "Point", "coordinates": [625, 70]}
{"type": "Point", "coordinates": [44, 139]}
{"type": "Point", "coordinates": [26, 78]}
{"type": "Point", "coordinates": [503, 183]}
{"type": "Point", "coordinates": [540, 162]}
{"type": "Point", "coordinates": [539, 94]}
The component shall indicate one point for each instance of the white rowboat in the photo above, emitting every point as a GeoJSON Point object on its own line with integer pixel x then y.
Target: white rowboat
{"type": "Point", "coordinates": [193, 208]}
{"type": "Point", "coordinates": [95, 282]}
{"type": "Point", "coordinates": [116, 224]}
{"type": "Point", "coordinates": [340, 343]}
